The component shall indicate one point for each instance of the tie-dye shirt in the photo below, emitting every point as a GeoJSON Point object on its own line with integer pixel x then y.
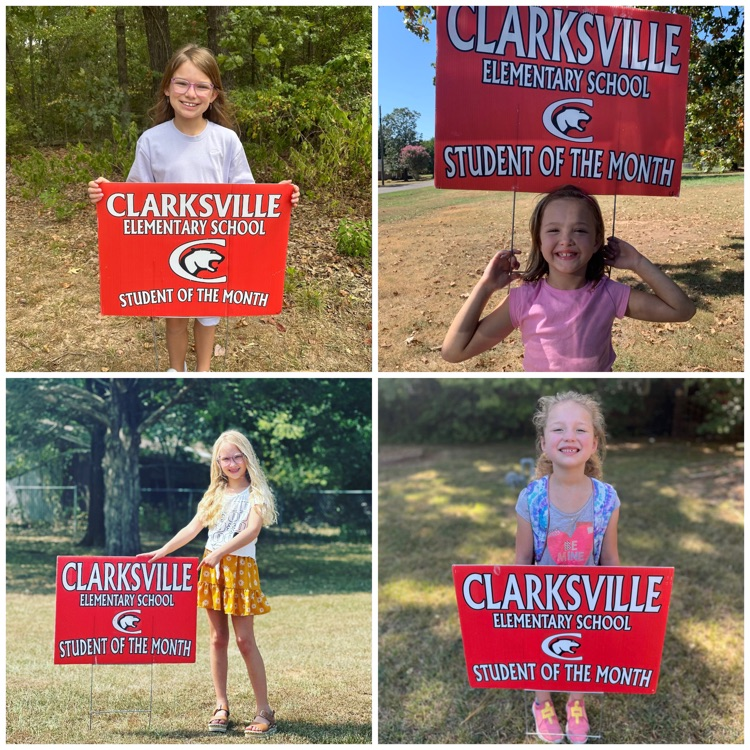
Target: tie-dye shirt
{"type": "Point", "coordinates": [570, 539]}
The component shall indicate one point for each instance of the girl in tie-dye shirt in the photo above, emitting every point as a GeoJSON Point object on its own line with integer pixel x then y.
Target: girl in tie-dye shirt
{"type": "Point", "coordinates": [567, 516]}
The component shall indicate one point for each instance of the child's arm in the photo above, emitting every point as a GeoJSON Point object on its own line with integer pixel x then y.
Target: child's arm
{"type": "Point", "coordinates": [668, 303]}
{"type": "Point", "coordinates": [524, 542]}
{"type": "Point", "coordinates": [180, 539]}
{"type": "Point", "coordinates": [468, 335]}
{"type": "Point", "coordinates": [254, 525]}
{"type": "Point", "coordinates": [609, 554]}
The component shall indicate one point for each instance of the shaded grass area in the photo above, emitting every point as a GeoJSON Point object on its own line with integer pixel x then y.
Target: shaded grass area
{"type": "Point", "coordinates": [682, 506]}
{"type": "Point", "coordinates": [321, 687]}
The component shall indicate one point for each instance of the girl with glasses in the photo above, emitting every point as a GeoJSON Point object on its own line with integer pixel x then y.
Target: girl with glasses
{"type": "Point", "coordinates": [193, 140]}
{"type": "Point", "coordinates": [235, 507]}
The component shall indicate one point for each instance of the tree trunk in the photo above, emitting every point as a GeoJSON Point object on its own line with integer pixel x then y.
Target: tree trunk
{"type": "Point", "coordinates": [95, 536]}
{"type": "Point", "coordinates": [32, 80]}
{"type": "Point", "coordinates": [680, 420]}
{"type": "Point", "coordinates": [121, 470]}
{"type": "Point", "coordinates": [122, 66]}
{"type": "Point", "coordinates": [215, 20]}
{"type": "Point", "coordinates": [159, 44]}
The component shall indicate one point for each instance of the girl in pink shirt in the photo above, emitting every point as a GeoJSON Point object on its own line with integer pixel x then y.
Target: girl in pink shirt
{"type": "Point", "coordinates": [567, 305]}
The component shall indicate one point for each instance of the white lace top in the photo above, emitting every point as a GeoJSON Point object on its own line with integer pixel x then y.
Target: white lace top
{"type": "Point", "coordinates": [233, 519]}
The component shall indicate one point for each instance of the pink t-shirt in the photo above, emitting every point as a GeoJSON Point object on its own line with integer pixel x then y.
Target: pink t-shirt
{"type": "Point", "coordinates": [568, 330]}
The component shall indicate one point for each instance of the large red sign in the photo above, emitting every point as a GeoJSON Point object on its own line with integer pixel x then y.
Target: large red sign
{"type": "Point", "coordinates": [180, 250]}
{"type": "Point", "coordinates": [121, 610]}
{"type": "Point", "coordinates": [563, 628]}
{"type": "Point", "coordinates": [533, 98]}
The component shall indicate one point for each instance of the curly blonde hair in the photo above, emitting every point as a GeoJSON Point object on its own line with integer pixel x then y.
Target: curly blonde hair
{"type": "Point", "coordinates": [209, 508]}
{"type": "Point", "coordinates": [593, 466]}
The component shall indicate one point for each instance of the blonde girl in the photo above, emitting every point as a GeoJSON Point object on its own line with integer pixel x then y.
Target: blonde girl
{"type": "Point", "coordinates": [193, 140]}
{"type": "Point", "coordinates": [235, 507]}
{"type": "Point", "coordinates": [567, 516]}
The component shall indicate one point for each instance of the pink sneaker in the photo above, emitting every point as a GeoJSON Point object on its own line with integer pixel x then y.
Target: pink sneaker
{"type": "Point", "coordinates": [547, 726]}
{"type": "Point", "coordinates": [577, 727]}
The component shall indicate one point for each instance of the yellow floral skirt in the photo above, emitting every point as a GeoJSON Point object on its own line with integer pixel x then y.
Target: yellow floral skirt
{"type": "Point", "coordinates": [234, 589]}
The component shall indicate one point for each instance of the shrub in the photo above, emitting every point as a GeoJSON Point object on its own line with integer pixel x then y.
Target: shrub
{"type": "Point", "coordinates": [354, 238]}
{"type": "Point", "coordinates": [416, 160]}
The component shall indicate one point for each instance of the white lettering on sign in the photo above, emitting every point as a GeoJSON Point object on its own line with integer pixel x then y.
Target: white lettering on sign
{"type": "Point", "coordinates": [237, 205]}
{"type": "Point", "coordinates": [564, 591]}
{"type": "Point", "coordinates": [127, 576]}
{"type": "Point", "coordinates": [570, 36]}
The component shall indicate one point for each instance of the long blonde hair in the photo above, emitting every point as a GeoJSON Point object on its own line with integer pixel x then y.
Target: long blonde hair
{"type": "Point", "coordinates": [593, 466]}
{"type": "Point", "coordinates": [209, 508]}
{"type": "Point", "coordinates": [221, 111]}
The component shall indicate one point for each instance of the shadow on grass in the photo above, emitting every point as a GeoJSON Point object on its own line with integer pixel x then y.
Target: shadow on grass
{"type": "Point", "coordinates": [700, 279]}
{"type": "Point", "coordinates": [299, 732]}
{"type": "Point", "coordinates": [452, 507]}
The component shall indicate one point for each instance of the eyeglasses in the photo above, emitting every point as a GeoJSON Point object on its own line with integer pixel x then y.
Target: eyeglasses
{"type": "Point", "coordinates": [236, 459]}
{"type": "Point", "coordinates": [181, 86]}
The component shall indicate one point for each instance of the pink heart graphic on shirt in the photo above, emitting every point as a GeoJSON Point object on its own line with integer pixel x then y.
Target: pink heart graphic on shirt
{"type": "Point", "coordinates": [574, 549]}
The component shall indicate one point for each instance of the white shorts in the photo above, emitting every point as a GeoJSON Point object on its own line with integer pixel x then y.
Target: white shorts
{"type": "Point", "coordinates": [208, 322]}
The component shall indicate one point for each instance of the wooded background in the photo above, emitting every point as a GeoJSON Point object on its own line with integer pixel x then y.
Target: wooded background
{"type": "Point", "coordinates": [471, 411]}
{"type": "Point", "coordinates": [299, 77]}
{"type": "Point", "coordinates": [311, 435]}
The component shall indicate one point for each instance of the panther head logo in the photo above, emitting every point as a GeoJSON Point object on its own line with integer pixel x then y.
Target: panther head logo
{"type": "Point", "coordinates": [200, 259]}
{"type": "Point", "coordinates": [562, 646]}
{"type": "Point", "coordinates": [564, 120]}
{"type": "Point", "coordinates": [127, 621]}
{"type": "Point", "coordinates": [193, 258]}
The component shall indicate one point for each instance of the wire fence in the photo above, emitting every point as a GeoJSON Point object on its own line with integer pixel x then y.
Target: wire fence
{"type": "Point", "coordinates": [36, 503]}
{"type": "Point", "coordinates": [163, 509]}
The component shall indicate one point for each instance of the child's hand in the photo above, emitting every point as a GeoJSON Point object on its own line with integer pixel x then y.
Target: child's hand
{"type": "Point", "coordinates": [150, 556]}
{"type": "Point", "coordinates": [501, 270]}
{"type": "Point", "coordinates": [94, 191]}
{"type": "Point", "coordinates": [295, 191]}
{"type": "Point", "coordinates": [211, 560]}
{"type": "Point", "coordinates": [620, 254]}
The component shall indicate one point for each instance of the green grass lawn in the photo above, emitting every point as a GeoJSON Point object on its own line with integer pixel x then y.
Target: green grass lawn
{"type": "Point", "coordinates": [316, 644]}
{"type": "Point", "coordinates": [681, 507]}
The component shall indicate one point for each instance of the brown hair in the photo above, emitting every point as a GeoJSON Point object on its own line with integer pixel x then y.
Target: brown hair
{"type": "Point", "coordinates": [220, 111]}
{"type": "Point", "coordinates": [593, 466]}
{"type": "Point", "coordinates": [537, 267]}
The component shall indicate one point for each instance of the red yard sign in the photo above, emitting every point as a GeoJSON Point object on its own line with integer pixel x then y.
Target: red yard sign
{"type": "Point", "coordinates": [180, 250]}
{"type": "Point", "coordinates": [533, 98]}
{"type": "Point", "coordinates": [121, 610]}
{"type": "Point", "coordinates": [567, 628]}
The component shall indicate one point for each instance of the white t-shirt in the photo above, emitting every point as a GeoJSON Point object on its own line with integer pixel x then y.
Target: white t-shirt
{"type": "Point", "coordinates": [164, 154]}
{"type": "Point", "coordinates": [234, 516]}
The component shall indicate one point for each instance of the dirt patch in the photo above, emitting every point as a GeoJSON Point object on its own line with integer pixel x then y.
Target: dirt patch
{"type": "Point", "coordinates": [433, 246]}
{"type": "Point", "coordinates": [54, 324]}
